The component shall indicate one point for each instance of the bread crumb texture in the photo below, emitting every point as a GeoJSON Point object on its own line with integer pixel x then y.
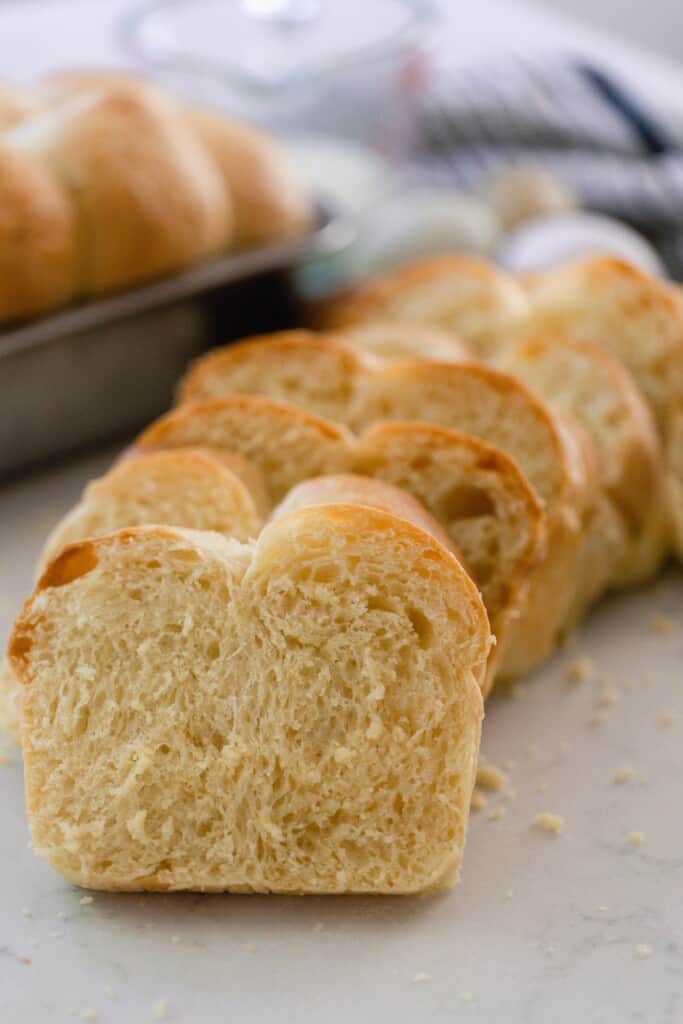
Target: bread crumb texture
{"type": "Point", "coordinates": [489, 777]}
{"type": "Point", "coordinates": [546, 822]}
{"type": "Point", "coordinates": [235, 755]}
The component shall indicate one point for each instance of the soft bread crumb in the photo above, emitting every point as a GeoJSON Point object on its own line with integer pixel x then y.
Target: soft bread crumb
{"type": "Point", "coordinates": [496, 813]}
{"type": "Point", "coordinates": [85, 901]}
{"type": "Point", "coordinates": [608, 695]}
{"type": "Point", "coordinates": [636, 838]}
{"type": "Point", "coordinates": [667, 719]}
{"type": "Point", "coordinates": [546, 822]}
{"type": "Point", "coordinates": [489, 777]}
{"type": "Point", "coordinates": [478, 801]}
{"type": "Point", "coordinates": [643, 951]}
{"type": "Point", "coordinates": [663, 624]}
{"type": "Point", "coordinates": [421, 976]}
{"type": "Point", "coordinates": [160, 1009]}
{"type": "Point", "coordinates": [581, 669]}
{"type": "Point", "coordinates": [624, 774]}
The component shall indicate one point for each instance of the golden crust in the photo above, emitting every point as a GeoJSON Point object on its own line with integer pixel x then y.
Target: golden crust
{"type": "Point", "coordinates": [38, 238]}
{"type": "Point", "coordinates": [269, 202]}
{"type": "Point", "coordinates": [394, 340]}
{"type": "Point", "coordinates": [149, 198]}
{"type": "Point", "coordinates": [464, 293]}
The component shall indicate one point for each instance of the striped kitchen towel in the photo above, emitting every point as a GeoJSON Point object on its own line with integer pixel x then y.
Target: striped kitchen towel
{"type": "Point", "coordinates": [571, 117]}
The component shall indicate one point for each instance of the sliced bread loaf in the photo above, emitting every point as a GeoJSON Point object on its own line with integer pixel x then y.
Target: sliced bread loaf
{"type": "Point", "coordinates": [299, 714]}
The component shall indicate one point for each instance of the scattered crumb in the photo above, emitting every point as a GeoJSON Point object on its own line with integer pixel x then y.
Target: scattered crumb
{"type": "Point", "coordinates": [88, 1013]}
{"type": "Point", "coordinates": [478, 801]}
{"type": "Point", "coordinates": [489, 777]}
{"type": "Point", "coordinates": [547, 822]}
{"type": "Point", "coordinates": [26, 912]}
{"type": "Point", "coordinates": [643, 951]}
{"type": "Point", "coordinates": [623, 774]}
{"type": "Point", "coordinates": [160, 1009]}
{"type": "Point", "coordinates": [496, 813]}
{"type": "Point", "coordinates": [175, 939]}
{"type": "Point", "coordinates": [598, 719]}
{"type": "Point", "coordinates": [636, 838]}
{"type": "Point", "coordinates": [421, 976]}
{"type": "Point", "coordinates": [660, 623]}
{"type": "Point", "coordinates": [581, 669]}
{"type": "Point", "coordinates": [542, 787]}
{"type": "Point", "coordinates": [466, 997]}
{"type": "Point", "coordinates": [509, 794]}
{"type": "Point", "coordinates": [643, 780]}
{"type": "Point", "coordinates": [667, 719]}
{"type": "Point", "coordinates": [608, 695]}
{"type": "Point", "coordinates": [85, 901]}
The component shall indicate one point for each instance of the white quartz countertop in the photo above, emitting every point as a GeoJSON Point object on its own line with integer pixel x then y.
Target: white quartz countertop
{"type": "Point", "coordinates": [542, 929]}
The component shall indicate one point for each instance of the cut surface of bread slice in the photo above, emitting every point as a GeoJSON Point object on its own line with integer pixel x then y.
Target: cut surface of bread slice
{"type": "Point", "coordinates": [300, 714]}
{"type": "Point", "coordinates": [38, 238]}
{"type": "Point", "coordinates": [149, 198]}
{"type": "Point", "coordinates": [396, 340]}
{"type": "Point", "coordinates": [476, 492]}
{"type": "Point", "coordinates": [589, 383]}
{"type": "Point", "coordinates": [612, 304]}
{"type": "Point", "coordinates": [462, 293]}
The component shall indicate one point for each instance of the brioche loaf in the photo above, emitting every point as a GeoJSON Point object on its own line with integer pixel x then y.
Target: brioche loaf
{"type": "Point", "coordinates": [477, 493]}
{"type": "Point", "coordinates": [462, 293]}
{"type": "Point", "coordinates": [299, 714]}
{"type": "Point", "coordinates": [106, 182]}
{"type": "Point", "coordinates": [324, 375]}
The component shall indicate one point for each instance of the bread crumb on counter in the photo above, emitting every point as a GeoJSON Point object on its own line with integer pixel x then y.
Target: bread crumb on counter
{"type": "Point", "coordinates": [421, 976]}
{"type": "Point", "coordinates": [85, 901]}
{"type": "Point", "coordinates": [636, 838]}
{"type": "Point", "coordinates": [546, 822]}
{"type": "Point", "coordinates": [643, 951]}
{"type": "Point", "coordinates": [623, 774]}
{"type": "Point", "coordinates": [160, 1009]}
{"type": "Point", "coordinates": [466, 997]}
{"type": "Point", "coordinates": [496, 813]}
{"type": "Point", "coordinates": [667, 719]}
{"type": "Point", "coordinates": [478, 801]}
{"type": "Point", "coordinates": [581, 669]}
{"type": "Point", "coordinates": [608, 695]}
{"type": "Point", "coordinates": [660, 623]}
{"type": "Point", "coordinates": [489, 777]}
{"type": "Point", "coordinates": [87, 1013]}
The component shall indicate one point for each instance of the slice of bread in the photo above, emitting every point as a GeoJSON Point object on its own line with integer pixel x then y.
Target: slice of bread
{"type": "Point", "coordinates": [589, 383]}
{"type": "Point", "coordinates": [462, 293]}
{"type": "Point", "coordinates": [300, 714]}
{"type": "Point", "coordinates": [616, 306]}
{"type": "Point", "coordinates": [477, 493]}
